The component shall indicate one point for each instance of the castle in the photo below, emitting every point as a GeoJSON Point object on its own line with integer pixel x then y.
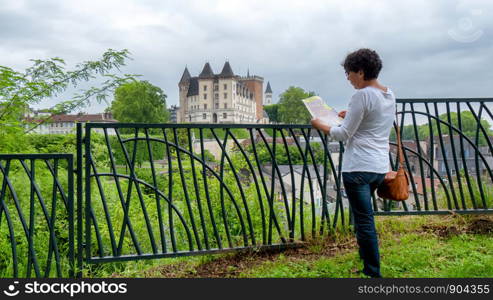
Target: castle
{"type": "Point", "coordinates": [222, 98]}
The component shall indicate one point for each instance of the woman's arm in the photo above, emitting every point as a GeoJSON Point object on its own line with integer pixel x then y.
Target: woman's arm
{"type": "Point", "coordinates": [324, 127]}
{"type": "Point", "coordinates": [354, 116]}
{"type": "Point", "coordinates": [318, 124]}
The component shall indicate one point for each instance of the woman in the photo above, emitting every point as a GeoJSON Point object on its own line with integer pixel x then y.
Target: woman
{"type": "Point", "coordinates": [366, 129]}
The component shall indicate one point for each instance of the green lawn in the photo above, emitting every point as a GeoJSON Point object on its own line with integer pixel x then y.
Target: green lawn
{"type": "Point", "coordinates": [409, 255]}
{"type": "Point", "coordinates": [417, 246]}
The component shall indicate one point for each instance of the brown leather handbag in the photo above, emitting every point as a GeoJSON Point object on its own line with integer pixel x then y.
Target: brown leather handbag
{"type": "Point", "coordinates": [395, 186]}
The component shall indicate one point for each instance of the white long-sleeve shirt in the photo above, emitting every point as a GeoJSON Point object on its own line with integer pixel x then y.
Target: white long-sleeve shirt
{"type": "Point", "coordinates": [366, 128]}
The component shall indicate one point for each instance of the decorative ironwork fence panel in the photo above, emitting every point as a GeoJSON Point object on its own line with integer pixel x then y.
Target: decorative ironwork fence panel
{"type": "Point", "coordinates": [36, 215]}
{"type": "Point", "coordinates": [448, 153]}
{"type": "Point", "coordinates": [162, 190]}
{"type": "Point", "coordinates": [169, 190]}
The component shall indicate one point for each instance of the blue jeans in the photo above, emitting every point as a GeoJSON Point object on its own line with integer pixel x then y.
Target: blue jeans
{"type": "Point", "coordinates": [359, 188]}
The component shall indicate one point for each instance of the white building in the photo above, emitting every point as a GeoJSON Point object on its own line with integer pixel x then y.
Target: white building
{"type": "Point", "coordinates": [64, 124]}
{"type": "Point", "coordinates": [220, 98]}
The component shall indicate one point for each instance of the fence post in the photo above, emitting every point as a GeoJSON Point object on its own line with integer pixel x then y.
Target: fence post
{"type": "Point", "coordinates": [80, 174]}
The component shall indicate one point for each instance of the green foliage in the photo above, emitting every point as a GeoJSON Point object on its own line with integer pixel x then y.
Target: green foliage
{"type": "Point", "coordinates": [408, 133]}
{"type": "Point", "coordinates": [52, 143]}
{"type": "Point", "coordinates": [13, 140]}
{"type": "Point", "coordinates": [291, 109]}
{"type": "Point", "coordinates": [281, 156]}
{"type": "Point", "coordinates": [471, 196]}
{"type": "Point", "coordinates": [208, 156]}
{"type": "Point", "coordinates": [158, 150]}
{"type": "Point", "coordinates": [41, 235]}
{"type": "Point", "coordinates": [468, 123]}
{"type": "Point", "coordinates": [139, 102]}
{"type": "Point", "coordinates": [272, 112]}
{"type": "Point", "coordinates": [49, 78]}
{"type": "Point", "coordinates": [469, 126]}
{"type": "Point", "coordinates": [238, 133]}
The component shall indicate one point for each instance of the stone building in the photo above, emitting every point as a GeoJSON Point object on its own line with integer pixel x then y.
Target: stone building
{"type": "Point", "coordinates": [220, 98]}
{"type": "Point", "coordinates": [45, 123]}
{"type": "Point", "coordinates": [173, 112]}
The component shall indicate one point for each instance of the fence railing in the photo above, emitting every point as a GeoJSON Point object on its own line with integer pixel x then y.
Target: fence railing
{"type": "Point", "coordinates": [36, 213]}
{"type": "Point", "coordinates": [164, 190]}
{"type": "Point", "coordinates": [172, 190]}
{"type": "Point", "coordinates": [160, 190]}
{"type": "Point", "coordinates": [448, 150]}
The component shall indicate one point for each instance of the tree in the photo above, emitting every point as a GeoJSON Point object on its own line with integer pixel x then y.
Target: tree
{"type": "Point", "coordinates": [469, 126]}
{"type": "Point", "coordinates": [139, 102]}
{"type": "Point", "coordinates": [272, 111]}
{"type": "Point", "coordinates": [291, 109]}
{"type": "Point", "coordinates": [47, 79]}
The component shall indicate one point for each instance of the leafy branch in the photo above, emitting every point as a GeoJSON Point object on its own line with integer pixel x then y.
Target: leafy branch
{"type": "Point", "coordinates": [50, 78]}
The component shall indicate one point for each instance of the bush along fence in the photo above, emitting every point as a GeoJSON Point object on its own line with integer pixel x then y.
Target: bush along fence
{"type": "Point", "coordinates": [37, 215]}
{"type": "Point", "coordinates": [164, 190]}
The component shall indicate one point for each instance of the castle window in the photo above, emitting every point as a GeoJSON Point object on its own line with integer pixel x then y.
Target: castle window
{"type": "Point", "coordinates": [216, 96]}
{"type": "Point", "coordinates": [225, 95]}
{"type": "Point", "coordinates": [205, 88]}
{"type": "Point", "coordinates": [225, 105]}
{"type": "Point", "coordinates": [225, 115]}
{"type": "Point", "coordinates": [217, 105]}
{"type": "Point", "coordinates": [205, 106]}
{"type": "Point", "coordinates": [225, 86]}
{"type": "Point", "coordinates": [205, 96]}
{"type": "Point", "coordinates": [204, 116]}
{"type": "Point", "coordinates": [216, 87]}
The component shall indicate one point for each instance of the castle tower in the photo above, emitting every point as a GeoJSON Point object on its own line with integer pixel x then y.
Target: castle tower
{"type": "Point", "coordinates": [207, 72]}
{"type": "Point", "coordinates": [256, 85]}
{"type": "Point", "coordinates": [268, 95]}
{"type": "Point", "coordinates": [183, 90]}
{"type": "Point", "coordinates": [227, 71]}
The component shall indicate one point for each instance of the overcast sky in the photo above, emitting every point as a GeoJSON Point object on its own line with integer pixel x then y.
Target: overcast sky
{"type": "Point", "coordinates": [440, 48]}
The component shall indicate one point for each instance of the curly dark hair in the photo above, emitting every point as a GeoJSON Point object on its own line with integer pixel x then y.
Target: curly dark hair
{"type": "Point", "coordinates": [365, 60]}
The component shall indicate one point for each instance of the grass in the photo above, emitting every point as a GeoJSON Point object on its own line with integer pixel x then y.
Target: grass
{"type": "Point", "coordinates": [410, 246]}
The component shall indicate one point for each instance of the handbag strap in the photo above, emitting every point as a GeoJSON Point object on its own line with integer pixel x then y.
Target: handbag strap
{"type": "Point", "coordinates": [400, 153]}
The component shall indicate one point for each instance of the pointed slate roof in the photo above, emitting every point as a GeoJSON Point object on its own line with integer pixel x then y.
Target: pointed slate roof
{"type": "Point", "coordinates": [227, 71]}
{"type": "Point", "coordinates": [268, 89]}
{"type": "Point", "coordinates": [193, 89]}
{"type": "Point", "coordinates": [185, 77]}
{"type": "Point", "coordinates": [206, 71]}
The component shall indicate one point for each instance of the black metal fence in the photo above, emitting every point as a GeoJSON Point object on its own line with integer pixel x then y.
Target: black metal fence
{"type": "Point", "coordinates": [170, 190]}
{"type": "Point", "coordinates": [36, 213]}
{"type": "Point", "coordinates": [448, 151]}
{"type": "Point", "coordinates": [201, 188]}
{"type": "Point", "coordinates": [165, 190]}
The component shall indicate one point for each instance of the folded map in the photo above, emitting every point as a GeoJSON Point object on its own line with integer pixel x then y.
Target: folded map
{"type": "Point", "coordinates": [320, 110]}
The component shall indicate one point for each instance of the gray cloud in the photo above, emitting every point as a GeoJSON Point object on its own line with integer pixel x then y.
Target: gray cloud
{"type": "Point", "coordinates": [426, 45]}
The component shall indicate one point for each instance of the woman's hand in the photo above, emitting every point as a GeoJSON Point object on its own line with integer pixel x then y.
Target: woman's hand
{"type": "Point", "coordinates": [318, 124]}
{"type": "Point", "coordinates": [342, 114]}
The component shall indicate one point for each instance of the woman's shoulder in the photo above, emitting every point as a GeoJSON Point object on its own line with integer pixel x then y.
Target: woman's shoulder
{"type": "Point", "coordinates": [371, 92]}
